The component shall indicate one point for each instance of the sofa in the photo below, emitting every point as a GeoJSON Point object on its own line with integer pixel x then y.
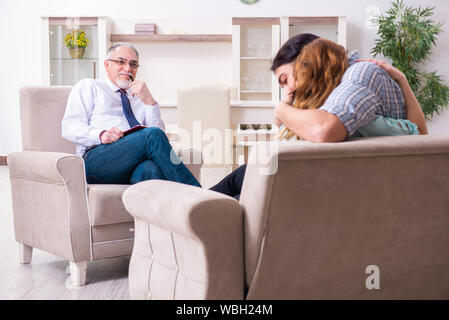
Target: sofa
{"type": "Point", "coordinates": [54, 209]}
{"type": "Point", "coordinates": [366, 218]}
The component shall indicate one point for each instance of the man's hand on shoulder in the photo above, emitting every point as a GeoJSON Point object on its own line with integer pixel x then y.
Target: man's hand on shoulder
{"type": "Point", "coordinates": [111, 135]}
{"type": "Point", "coordinates": [140, 89]}
{"type": "Point", "coordinates": [396, 74]}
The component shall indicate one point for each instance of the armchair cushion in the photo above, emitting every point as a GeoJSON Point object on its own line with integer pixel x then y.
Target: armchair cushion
{"type": "Point", "coordinates": [105, 204]}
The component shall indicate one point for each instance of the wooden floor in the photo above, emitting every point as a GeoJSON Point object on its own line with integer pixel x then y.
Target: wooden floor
{"type": "Point", "coordinates": [46, 277]}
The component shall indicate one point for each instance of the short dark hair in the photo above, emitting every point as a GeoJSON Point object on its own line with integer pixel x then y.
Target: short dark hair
{"type": "Point", "coordinates": [291, 49]}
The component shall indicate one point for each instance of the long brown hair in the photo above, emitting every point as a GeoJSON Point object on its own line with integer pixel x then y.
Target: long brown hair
{"type": "Point", "coordinates": [318, 71]}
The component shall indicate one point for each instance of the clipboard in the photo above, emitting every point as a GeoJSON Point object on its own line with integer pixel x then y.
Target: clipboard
{"type": "Point", "coordinates": [133, 129]}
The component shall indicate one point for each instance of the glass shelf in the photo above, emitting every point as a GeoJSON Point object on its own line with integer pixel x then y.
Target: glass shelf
{"type": "Point", "coordinates": [64, 70]}
{"type": "Point", "coordinates": [255, 59]}
{"type": "Point", "coordinates": [69, 59]}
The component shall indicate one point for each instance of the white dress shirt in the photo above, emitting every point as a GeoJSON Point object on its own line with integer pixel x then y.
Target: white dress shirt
{"type": "Point", "coordinates": [95, 105]}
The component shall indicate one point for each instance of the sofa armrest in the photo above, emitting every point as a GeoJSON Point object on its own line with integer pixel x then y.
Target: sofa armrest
{"type": "Point", "coordinates": [49, 197]}
{"type": "Point", "coordinates": [188, 242]}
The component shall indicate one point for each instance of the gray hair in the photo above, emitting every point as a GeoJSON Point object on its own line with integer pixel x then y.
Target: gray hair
{"type": "Point", "coordinates": [121, 44]}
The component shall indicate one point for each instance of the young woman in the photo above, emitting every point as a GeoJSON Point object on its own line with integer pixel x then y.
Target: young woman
{"type": "Point", "coordinates": [310, 79]}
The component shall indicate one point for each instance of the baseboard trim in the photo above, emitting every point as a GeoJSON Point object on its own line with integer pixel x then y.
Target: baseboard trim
{"type": "Point", "coordinates": [3, 161]}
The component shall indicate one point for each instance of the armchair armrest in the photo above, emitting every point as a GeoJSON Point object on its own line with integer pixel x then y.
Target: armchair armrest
{"type": "Point", "coordinates": [49, 197]}
{"type": "Point", "coordinates": [43, 166]}
{"type": "Point", "coordinates": [188, 242]}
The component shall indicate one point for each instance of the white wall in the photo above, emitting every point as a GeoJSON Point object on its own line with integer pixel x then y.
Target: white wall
{"type": "Point", "coordinates": [20, 52]}
{"type": "Point", "coordinates": [166, 66]}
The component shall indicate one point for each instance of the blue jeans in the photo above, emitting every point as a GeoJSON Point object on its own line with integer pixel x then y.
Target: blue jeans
{"type": "Point", "coordinates": [139, 156]}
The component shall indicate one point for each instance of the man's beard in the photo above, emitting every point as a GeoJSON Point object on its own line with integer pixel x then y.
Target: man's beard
{"type": "Point", "coordinates": [123, 84]}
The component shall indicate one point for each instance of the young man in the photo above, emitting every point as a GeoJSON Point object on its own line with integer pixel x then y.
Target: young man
{"type": "Point", "coordinates": [99, 111]}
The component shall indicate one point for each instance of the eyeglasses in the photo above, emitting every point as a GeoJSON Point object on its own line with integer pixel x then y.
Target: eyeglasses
{"type": "Point", "coordinates": [122, 62]}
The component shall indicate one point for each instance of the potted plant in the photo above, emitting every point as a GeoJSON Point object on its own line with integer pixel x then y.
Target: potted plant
{"type": "Point", "coordinates": [77, 42]}
{"type": "Point", "coordinates": [407, 36]}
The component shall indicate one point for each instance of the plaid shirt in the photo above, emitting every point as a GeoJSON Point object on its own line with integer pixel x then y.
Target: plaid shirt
{"type": "Point", "coordinates": [365, 92]}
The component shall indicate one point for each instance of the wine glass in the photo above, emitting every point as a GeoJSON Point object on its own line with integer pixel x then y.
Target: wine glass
{"type": "Point", "coordinates": [264, 49]}
{"type": "Point", "coordinates": [258, 83]}
{"type": "Point", "coordinates": [251, 49]}
{"type": "Point", "coordinates": [244, 79]}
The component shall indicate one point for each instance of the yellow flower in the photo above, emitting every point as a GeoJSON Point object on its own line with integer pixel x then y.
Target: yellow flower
{"type": "Point", "coordinates": [76, 38]}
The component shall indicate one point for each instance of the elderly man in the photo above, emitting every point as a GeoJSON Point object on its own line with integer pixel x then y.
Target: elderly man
{"type": "Point", "coordinates": [98, 114]}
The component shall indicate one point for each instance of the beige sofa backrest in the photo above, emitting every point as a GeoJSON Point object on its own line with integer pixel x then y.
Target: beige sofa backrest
{"type": "Point", "coordinates": [333, 210]}
{"type": "Point", "coordinates": [42, 109]}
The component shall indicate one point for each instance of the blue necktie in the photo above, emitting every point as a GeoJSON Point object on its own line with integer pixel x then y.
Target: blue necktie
{"type": "Point", "coordinates": [127, 109]}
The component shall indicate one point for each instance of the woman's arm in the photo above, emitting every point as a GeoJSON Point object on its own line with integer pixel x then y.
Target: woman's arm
{"type": "Point", "coordinates": [414, 111]}
{"type": "Point", "coordinates": [311, 124]}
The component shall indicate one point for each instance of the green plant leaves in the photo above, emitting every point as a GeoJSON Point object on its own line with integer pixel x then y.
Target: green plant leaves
{"type": "Point", "coordinates": [434, 95]}
{"type": "Point", "coordinates": [406, 36]}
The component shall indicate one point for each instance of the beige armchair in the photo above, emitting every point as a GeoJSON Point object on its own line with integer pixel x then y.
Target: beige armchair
{"type": "Point", "coordinates": [362, 219]}
{"type": "Point", "coordinates": [204, 122]}
{"type": "Point", "coordinates": [54, 209]}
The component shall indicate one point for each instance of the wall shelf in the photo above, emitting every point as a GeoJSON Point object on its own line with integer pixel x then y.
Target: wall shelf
{"type": "Point", "coordinates": [255, 58]}
{"type": "Point", "coordinates": [255, 91]}
{"type": "Point", "coordinates": [72, 59]}
{"type": "Point", "coordinates": [171, 37]}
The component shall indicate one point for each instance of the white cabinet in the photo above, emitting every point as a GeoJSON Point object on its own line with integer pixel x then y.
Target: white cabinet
{"type": "Point", "coordinates": [255, 42]}
{"type": "Point", "coordinates": [59, 67]}
{"type": "Point", "coordinates": [332, 28]}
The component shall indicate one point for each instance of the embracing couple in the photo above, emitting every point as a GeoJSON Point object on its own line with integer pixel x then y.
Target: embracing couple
{"type": "Point", "coordinates": [330, 96]}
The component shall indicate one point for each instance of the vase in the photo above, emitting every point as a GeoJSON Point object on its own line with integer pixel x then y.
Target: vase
{"type": "Point", "coordinates": [77, 52]}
